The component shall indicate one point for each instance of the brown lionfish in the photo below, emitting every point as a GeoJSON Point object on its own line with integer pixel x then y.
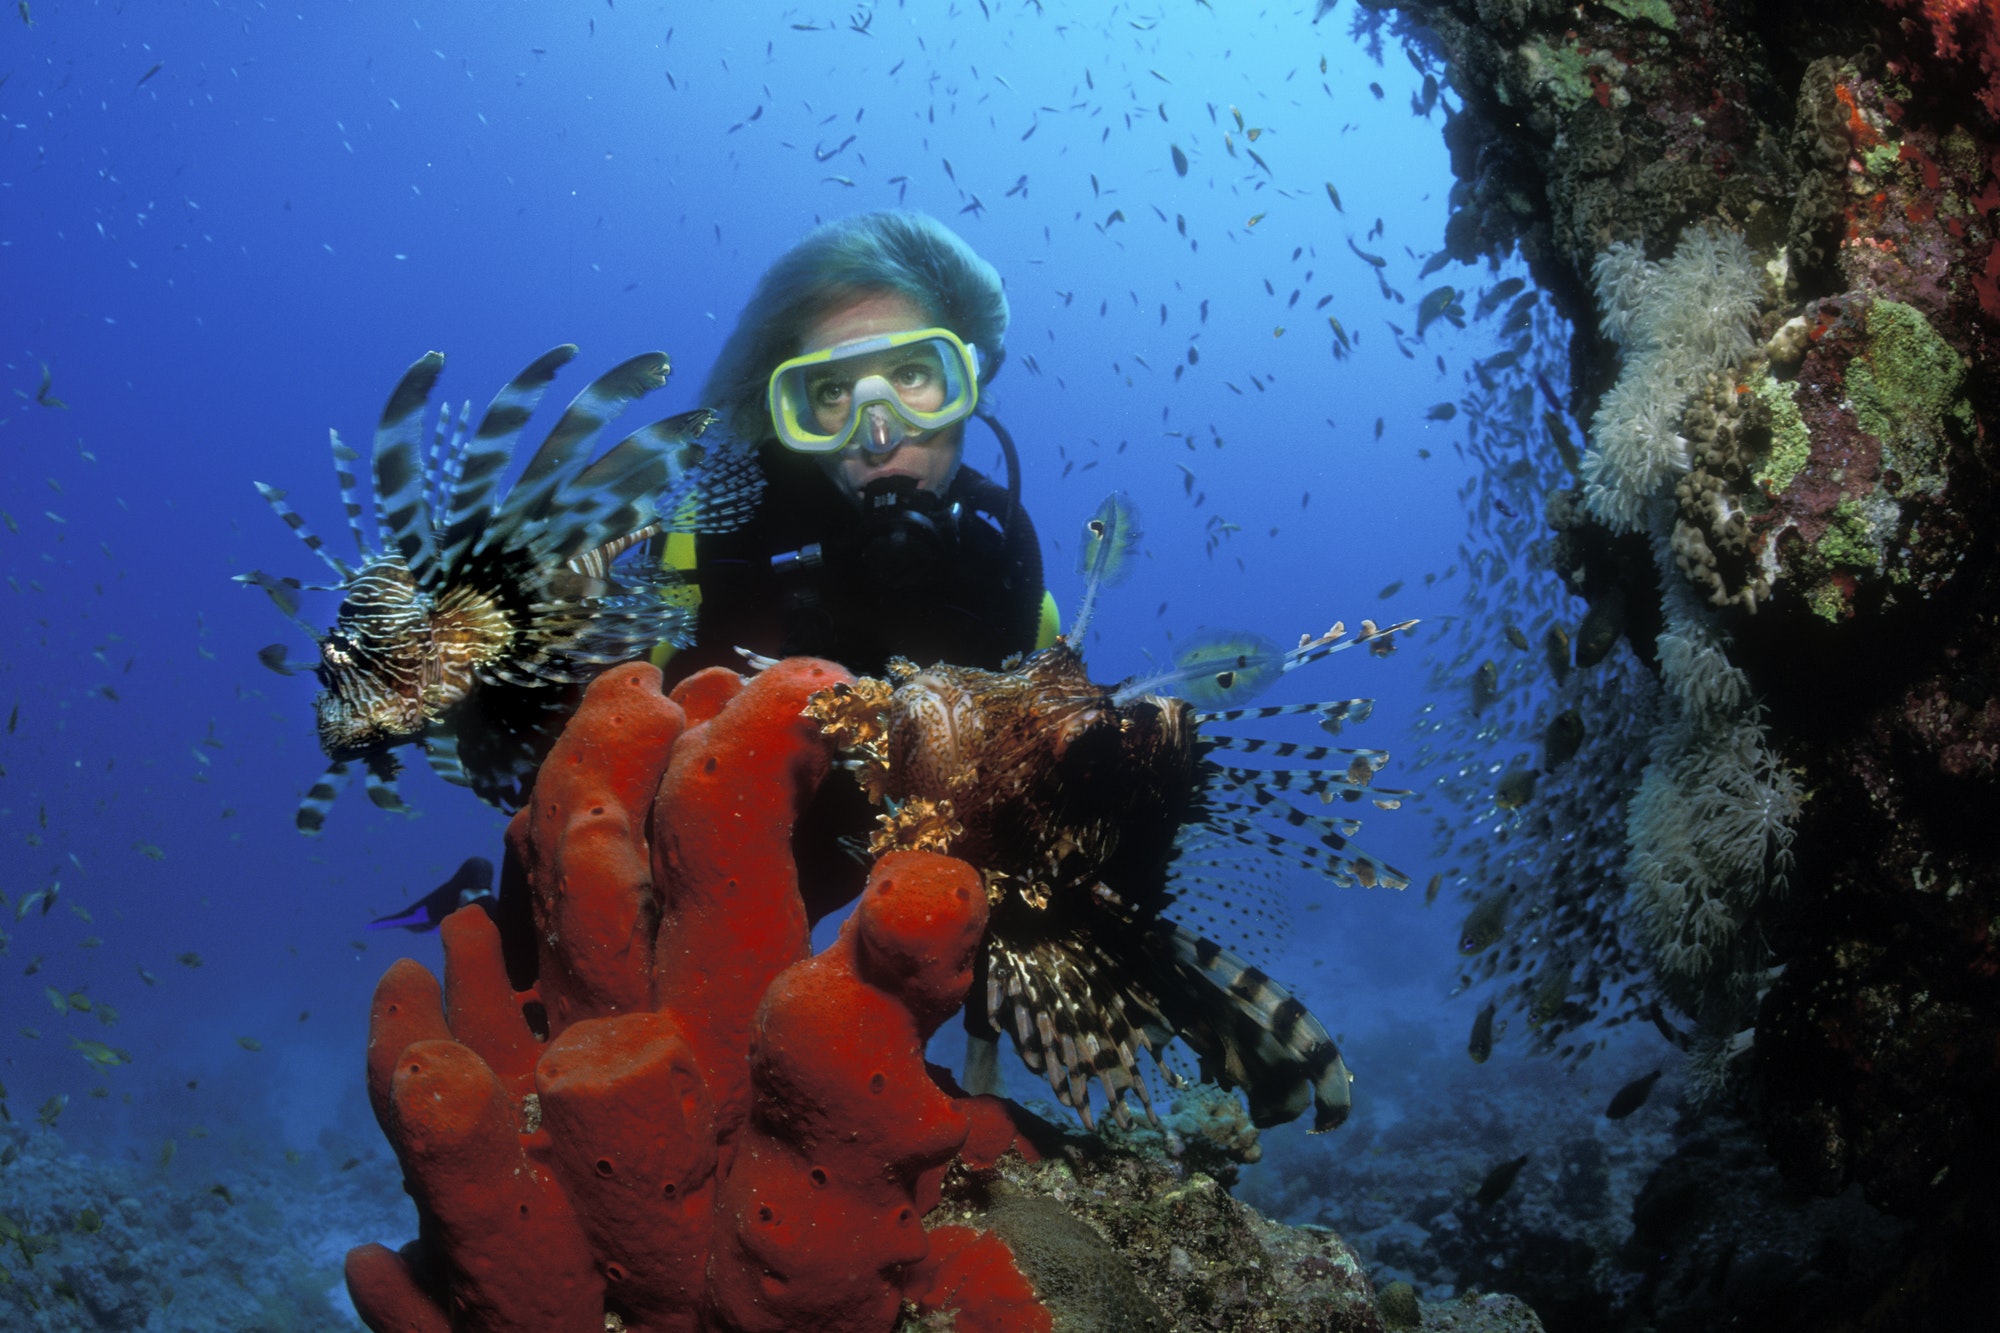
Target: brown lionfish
{"type": "Point", "coordinates": [466, 625]}
{"type": "Point", "coordinates": [1092, 810]}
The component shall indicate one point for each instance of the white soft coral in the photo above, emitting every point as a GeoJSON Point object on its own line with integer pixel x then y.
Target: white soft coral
{"type": "Point", "coordinates": [1678, 321]}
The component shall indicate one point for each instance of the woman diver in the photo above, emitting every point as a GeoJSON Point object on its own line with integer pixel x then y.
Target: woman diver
{"type": "Point", "coordinates": [852, 372]}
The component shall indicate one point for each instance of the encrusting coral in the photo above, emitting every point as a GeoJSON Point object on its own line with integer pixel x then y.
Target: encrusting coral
{"type": "Point", "coordinates": [1727, 428]}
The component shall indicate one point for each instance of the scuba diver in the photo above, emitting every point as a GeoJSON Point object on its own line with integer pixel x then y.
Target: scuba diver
{"type": "Point", "coordinates": [853, 371]}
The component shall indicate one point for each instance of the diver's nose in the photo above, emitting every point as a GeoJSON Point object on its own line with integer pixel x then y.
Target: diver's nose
{"type": "Point", "coordinates": [880, 431]}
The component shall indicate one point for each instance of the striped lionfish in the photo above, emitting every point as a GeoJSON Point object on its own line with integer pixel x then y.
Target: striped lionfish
{"type": "Point", "coordinates": [1091, 811]}
{"type": "Point", "coordinates": [465, 626]}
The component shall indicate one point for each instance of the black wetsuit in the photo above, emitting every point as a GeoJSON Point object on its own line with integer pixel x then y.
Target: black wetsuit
{"type": "Point", "coordinates": [977, 606]}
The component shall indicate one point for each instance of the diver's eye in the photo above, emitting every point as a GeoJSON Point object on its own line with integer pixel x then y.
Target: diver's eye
{"type": "Point", "coordinates": [828, 393]}
{"type": "Point", "coordinates": [912, 375]}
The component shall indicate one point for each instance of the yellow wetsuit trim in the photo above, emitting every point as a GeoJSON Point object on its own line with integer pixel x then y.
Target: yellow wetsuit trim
{"type": "Point", "coordinates": [678, 555]}
{"type": "Point", "coordinates": [1050, 625]}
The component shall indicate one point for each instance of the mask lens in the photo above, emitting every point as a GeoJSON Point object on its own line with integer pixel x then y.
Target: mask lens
{"type": "Point", "coordinates": [874, 393]}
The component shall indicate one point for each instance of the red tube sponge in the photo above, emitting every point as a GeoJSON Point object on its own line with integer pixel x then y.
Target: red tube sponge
{"type": "Point", "coordinates": [685, 1124]}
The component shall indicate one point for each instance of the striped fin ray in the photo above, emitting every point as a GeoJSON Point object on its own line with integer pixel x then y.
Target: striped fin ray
{"type": "Point", "coordinates": [441, 753]}
{"type": "Point", "coordinates": [1357, 776]}
{"type": "Point", "coordinates": [596, 562]}
{"type": "Point", "coordinates": [731, 483]}
{"type": "Point", "coordinates": [1270, 749]}
{"type": "Point", "coordinates": [402, 518]}
{"type": "Point", "coordinates": [1250, 1031]}
{"type": "Point", "coordinates": [319, 799]}
{"type": "Point", "coordinates": [1285, 813]}
{"type": "Point", "coordinates": [659, 478]}
{"type": "Point", "coordinates": [1343, 863]}
{"type": "Point", "coordinates": [621, 492]}
{"type": "Point", "coordinates": [1076, 1015]}
{"type": "Point", "coordinates": [1332, 713]}
{"type": "Point", "coordinates": [449, 441]}
{"type": "Point", "coordinates": [476, 477]}
{"type": "Point", "coordinates": [571, 639]}
{"type": "Point", "coordinates": [1379, 637]}
{"type": "Point", "coordinates": [566, 450]}
{"type": "Point", "coordinates": [344, 459]}
{"type": "Point", "coordinates": [292, 519]}
{"type": "Point", "coordinates": [671, 442]}
{"type": "Point", "coordinates": [380, 779]}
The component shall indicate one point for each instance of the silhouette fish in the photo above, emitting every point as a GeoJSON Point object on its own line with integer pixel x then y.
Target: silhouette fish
{"type": "Point", "coordinates": [472, 881]}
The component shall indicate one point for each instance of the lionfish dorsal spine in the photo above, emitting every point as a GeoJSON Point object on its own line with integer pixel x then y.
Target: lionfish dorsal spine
{"type": "Point", "coordinates": [449, 439]}
{"type": "Point", "coordinates": [292, 519]}
{"type": "Point", "coordinates": [567, 448]}
{"type": "Point", "coordinates": [344, 459]}
{"type": "Point", "coordinates": [402, 518]}
{"type": "Point", "coordinates": [485, 455]}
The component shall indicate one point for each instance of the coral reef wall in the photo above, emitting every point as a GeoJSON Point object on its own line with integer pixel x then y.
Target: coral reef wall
{"type": "Point", "coordinates": [1775, 229]}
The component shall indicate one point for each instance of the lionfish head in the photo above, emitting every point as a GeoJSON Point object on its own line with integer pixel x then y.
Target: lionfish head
{"type": "Point", "coordinates": [371, 663]}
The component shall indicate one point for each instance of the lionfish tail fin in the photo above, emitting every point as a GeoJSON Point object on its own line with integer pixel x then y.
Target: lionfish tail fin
{"type": "Point", "coordinates": [1249, 1031]}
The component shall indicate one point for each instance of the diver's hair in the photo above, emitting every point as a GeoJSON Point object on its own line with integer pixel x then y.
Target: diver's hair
{"type": "Point", "coordinates": [910, 254]}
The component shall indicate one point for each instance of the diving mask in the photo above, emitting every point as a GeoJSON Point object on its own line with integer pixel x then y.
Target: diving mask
{"type": "Point", "coordinates": [874, 393]}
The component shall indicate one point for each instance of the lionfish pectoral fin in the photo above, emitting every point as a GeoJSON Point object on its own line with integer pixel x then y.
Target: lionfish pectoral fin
{"type": "Point", "coordinates": [319, 799]}
{"type": "Point", "coordinates": [1250, 1031]}
{"type": "Point", "coordinates": [441, 753]}
{"type": "Point", "coordinates": [1077, 1015]}
{"type": "Point", "coordinates": [381, 782]}
{"type": "Point", "coordinates": [755, 661]}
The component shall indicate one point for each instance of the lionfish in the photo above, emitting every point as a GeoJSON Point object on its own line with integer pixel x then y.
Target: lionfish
{"type": "Point", "coordinates": [1091, 811]}
{"type": "Point", "coordinates": [465, 626]}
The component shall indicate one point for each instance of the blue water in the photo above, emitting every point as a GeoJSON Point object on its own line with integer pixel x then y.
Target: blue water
{"type": "Point", "coordinates": [225, 229]}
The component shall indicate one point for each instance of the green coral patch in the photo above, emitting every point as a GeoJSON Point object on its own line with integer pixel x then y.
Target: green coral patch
{"type": "Point", "coordinates": [1907, 382]}
{"type": "Point", "coordinates": [1849, 539]}
{"type": "Point", "coordinates": [1563, 70]}
{"type": "Point", "coordinates": [1654, 12]}
{"type": "Point", "coordinates": [1791, 441]}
